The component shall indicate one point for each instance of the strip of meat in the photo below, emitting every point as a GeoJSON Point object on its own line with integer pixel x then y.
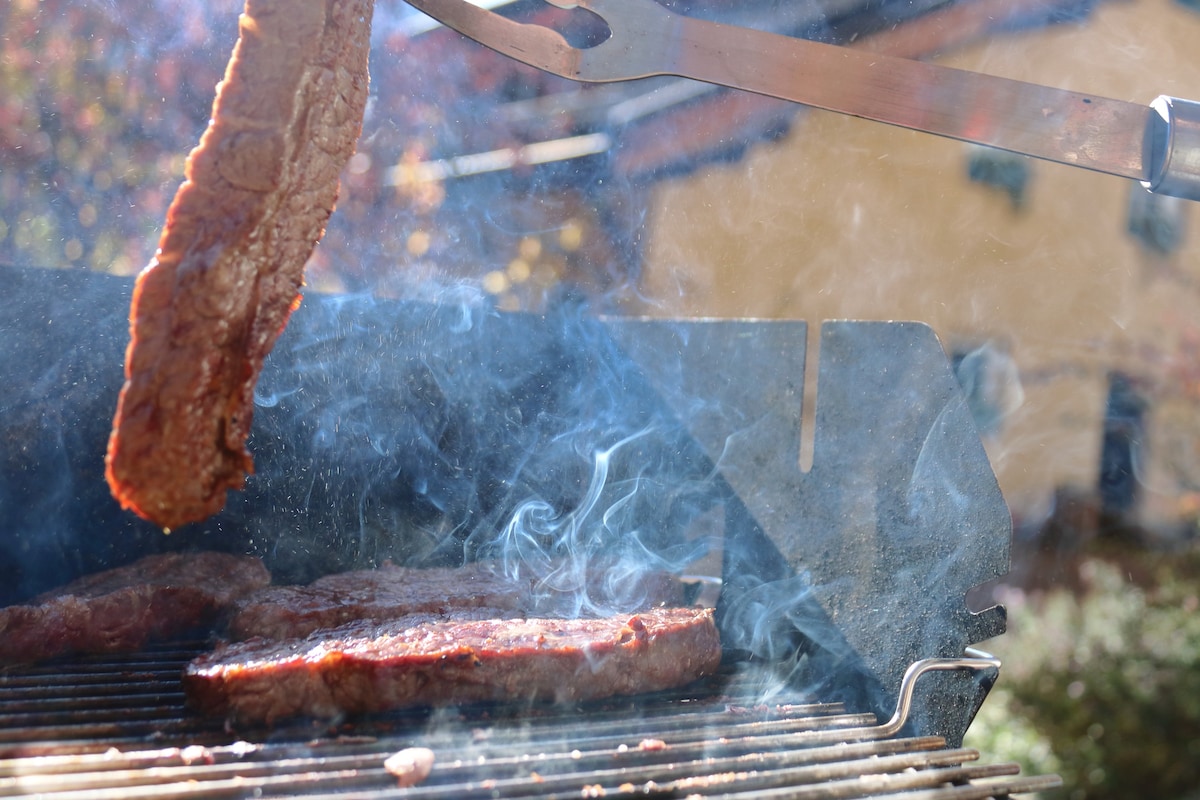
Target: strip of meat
{"type": "Point", "coordinates": [426, 660]}
{"type": "Point", "coordinates": [259, 189]}
{"type": "Point", "coordinates": [373, 595]}
{"type": "Point", "coordinates": [378, 595]}
{"type": "Point", "coordinates": [119, 610]}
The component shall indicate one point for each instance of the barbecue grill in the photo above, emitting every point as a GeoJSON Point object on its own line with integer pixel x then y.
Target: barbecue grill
{"type": "Point", "coordinates": [842, 588]}
{"type": "Point", "coordinates": [821, 483]}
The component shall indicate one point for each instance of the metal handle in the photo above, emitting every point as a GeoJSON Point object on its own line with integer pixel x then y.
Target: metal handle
{"type": "Point", "coordinates": [975, 660]}
{"type": "Point", "coordinates": [1172, 149]}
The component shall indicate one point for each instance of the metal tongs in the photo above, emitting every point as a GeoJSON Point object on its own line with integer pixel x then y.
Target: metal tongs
{"type": "Point", "coordinates": [1158, 144]}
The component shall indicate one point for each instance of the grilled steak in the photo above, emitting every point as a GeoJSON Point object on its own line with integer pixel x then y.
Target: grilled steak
{"type": "Point", "coordinates": [428, 660]}
{"type": "Point", "coordinates": [121, 609]}
{"type": "Point", "coordinates": [258, 191]}
{"type": "Point", "coordinates": [373, 595]}
{"type": "Point", "coordinates": [378, 595]}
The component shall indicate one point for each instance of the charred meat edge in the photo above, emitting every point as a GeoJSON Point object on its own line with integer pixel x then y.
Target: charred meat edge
{"type": "Point", "coordinates": [257, 193]}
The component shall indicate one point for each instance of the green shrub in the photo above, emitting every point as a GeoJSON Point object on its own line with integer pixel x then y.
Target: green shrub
{"type": "Point", "coordinates": [1104, 687]}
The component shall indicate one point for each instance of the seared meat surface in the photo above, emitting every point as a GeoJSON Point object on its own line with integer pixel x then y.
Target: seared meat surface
{"type": "Point", "coordinates": [258, 191]}
{"type": "Point", "coordinates": [378, 595]}
{"type": "Point", "coordinates": [472, 655]}
{"type": "Point", "coordinates": [119, 610]}
{"type": "Point", "coordinates": [374, 595]}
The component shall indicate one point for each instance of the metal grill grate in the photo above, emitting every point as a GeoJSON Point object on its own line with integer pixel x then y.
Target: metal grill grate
{"type": "Point", "coordinates": [116, 727]}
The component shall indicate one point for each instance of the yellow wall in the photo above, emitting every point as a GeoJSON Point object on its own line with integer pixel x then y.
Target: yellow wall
{"type": "Point", "coordinates": [850, 219]}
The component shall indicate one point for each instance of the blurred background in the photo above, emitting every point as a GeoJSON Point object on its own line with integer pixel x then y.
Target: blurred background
{"type": "Point", "coordinates": [1066, 300]}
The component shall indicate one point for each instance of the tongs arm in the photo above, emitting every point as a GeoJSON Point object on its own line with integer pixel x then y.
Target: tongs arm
{"type": "Point", "coordinates": [1158, 145]}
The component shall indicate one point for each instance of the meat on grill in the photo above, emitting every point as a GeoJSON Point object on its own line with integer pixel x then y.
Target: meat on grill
{"type": "Point", "coordinates": [378, 595]}
{"type": "Point", "coordinates": [375, 595]}
{"type": "Point", "coordinates": [119, 610]}
{"type": "Point", "coordinates": [478, 655]}
{"type": "Point", "coordinates": [257, 193]}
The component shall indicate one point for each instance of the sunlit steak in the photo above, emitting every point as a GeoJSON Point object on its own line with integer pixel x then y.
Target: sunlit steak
{"type": "Point", "coordinates": [259, 189]}
{"type": "Point", "coordinates": [476, 655]}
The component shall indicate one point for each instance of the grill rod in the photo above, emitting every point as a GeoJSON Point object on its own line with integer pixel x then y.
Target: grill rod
{"type": "Point", "coordinates": [709, 739]}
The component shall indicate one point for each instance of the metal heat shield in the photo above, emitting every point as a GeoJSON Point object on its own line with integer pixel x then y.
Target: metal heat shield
{"type": "Point", "coordinates": [897, 517]}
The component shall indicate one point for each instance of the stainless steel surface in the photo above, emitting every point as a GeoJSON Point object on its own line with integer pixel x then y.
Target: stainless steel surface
{"type": "Point", "coordinates": [716, 737]}
{"type": "Point", "coordinates": [1080, 130]}
{"type": "Point", "coordinates": [896, 517]}
{"type": "Point", "coordinates": [1173, 147]}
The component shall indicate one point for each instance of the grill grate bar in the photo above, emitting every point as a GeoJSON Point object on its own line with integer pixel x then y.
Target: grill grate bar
{"type": "Point", "coordinates": [40, 704]}
{"type": "Point", "coordinates": [68, 716]}
{"type": "Point", "coordinates": [671, 779]}
{"type": "Point", "coordinates": [732, 736]}
{"type": "Point", "coordinates": [129, 770]}
{"type": "Point", "coordinates": [113, 721]}
{"type": "Point", "coordinates": [138, 729]}
{"type": "Point", "coordinates": [64, 740]}
{"type": "Point", "coordinates": [52, 680]}
{"type": "Point", "coordinates": [683, 722]}
{"type": "Point", "coordinates": [914, 788]}
{"type": "Point", "coordinates": [544, 763]}
{"type": "Point", "coordinates": [151, 658]}
{"type": "Point", "coordinates": [875, 784]}
{"type": "Point", "coordinates": [984, 790]}
{"type": "Point", "coordinates": [15, 755]}
{"type": "Point", "coordinates": [97, 715]}
{"type": "Point", "coordinates": [692, 778]}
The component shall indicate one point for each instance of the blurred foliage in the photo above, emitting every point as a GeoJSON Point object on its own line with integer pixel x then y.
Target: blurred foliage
{"type": "Point", "coordinates": [97, 110]}
{"type": "Point", "coordinates": [101, 101]}
{"type": "Point", "coordinates": [1103, 686]}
